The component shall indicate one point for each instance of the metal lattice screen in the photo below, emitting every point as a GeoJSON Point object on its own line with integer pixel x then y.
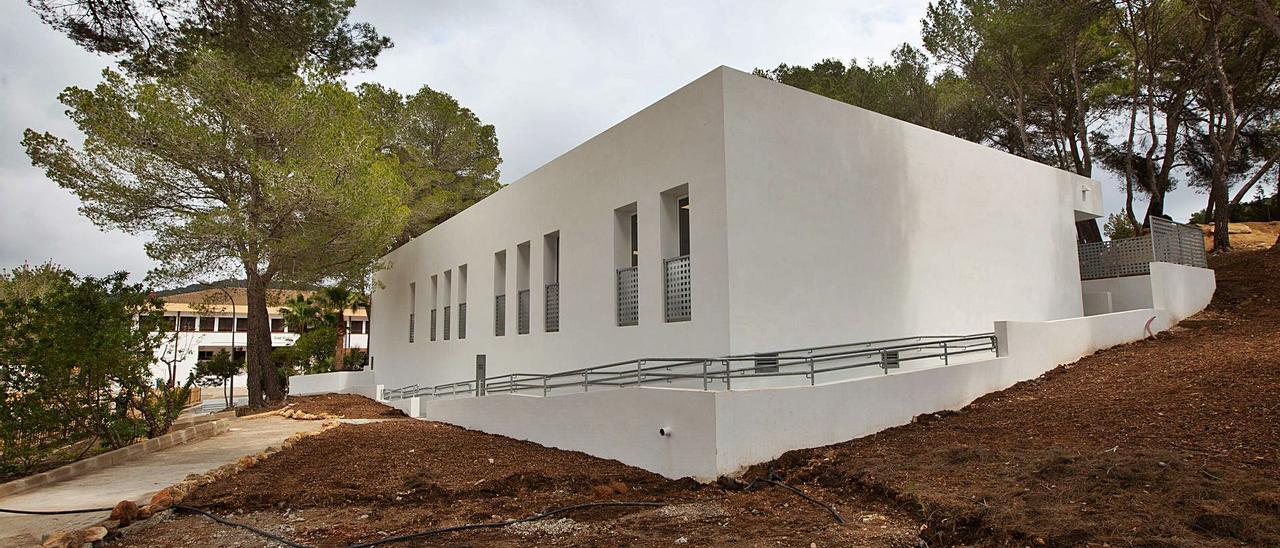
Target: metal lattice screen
{"type": "Point", "coordinates": [1178, 243]}
{"type": "Point", "coordinates": [462, 320]}
{"type": "Point", "coordinates": [411, 327]}
{"type": "Point", "coordinates": [679, 289]}
{"type": "Point", "coordinates": [628, 296]}
{"type": "Point", "coordinates": [553, 308]}
{"type": "Point", "coordinates": [433, 325]}
{"type": "Point", "coordinates": [522, 306]}
{"type": "Point", "coordinates": [1168, 242]}
{"type": "Point", "coordinates": [446, 323]}
{"type": "Point", "coordinates": [499, 315]}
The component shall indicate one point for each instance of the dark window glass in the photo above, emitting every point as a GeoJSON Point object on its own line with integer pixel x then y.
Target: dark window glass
{"type": "Point", "coordinates": [224, 324]}
{"type": "Point", "coordinates": [172, 321]}
{"type": "Point", "coordinates": [187, 323]}
{"type": "Point", "coordinates": [277, 325]}
{"type": "Point", "coordinates": [242, 324]}
{"type": "Point", "coordinates": [635, 241]}
{"type": "Point", "coordinates": [206, 323]}
{"type": "Point", "coordinates": [684, 225]}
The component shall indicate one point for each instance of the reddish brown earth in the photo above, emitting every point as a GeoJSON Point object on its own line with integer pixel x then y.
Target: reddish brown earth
{"type": "Point", "coordinates": [1168, 442]}
{"type": "Point", "coordinates": [347, 406]}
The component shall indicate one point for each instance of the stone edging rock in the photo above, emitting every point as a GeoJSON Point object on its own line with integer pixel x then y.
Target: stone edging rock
{"type": "Point", "coordinates": [112, 458]}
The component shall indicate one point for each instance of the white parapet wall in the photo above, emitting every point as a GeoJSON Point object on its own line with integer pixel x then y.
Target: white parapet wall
{"type": "Point", "coordinates": [1177, 289]}
{"type": "Point", "coordinates": [338, 382]}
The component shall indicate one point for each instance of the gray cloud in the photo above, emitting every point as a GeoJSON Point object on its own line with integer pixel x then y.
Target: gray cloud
{"type": "Point", "coordinates": [548, 75]}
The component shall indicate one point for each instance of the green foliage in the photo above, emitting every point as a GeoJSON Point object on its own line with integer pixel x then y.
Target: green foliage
{"type": "Point", "coordinates": [267, 38]}
{"type": "Point", "coordinates": [220, 370]}
{"type": "Point", "coordinates": [320, 321]}
{"type": "Point", "coordinates": [75, 362]}
{"type": "Point", "coordinates": [1262, 209]}
{"type": "Point", "coordinates": [448, 157]}
{"type": "Point", "coordinates": [1118, 227]}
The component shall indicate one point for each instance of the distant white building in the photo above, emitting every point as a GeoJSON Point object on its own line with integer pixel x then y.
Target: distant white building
{"type": "Point", "coordinates": [209, 321]}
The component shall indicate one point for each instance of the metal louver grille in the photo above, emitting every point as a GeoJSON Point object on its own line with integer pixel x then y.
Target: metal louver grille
{"type": "Point", "coordinates": [432, 335]}
{"type": "Point", "coordinates": [522, 305]}
{"type": "Point", "coordinates": [553, 308]}
{"type": "Point", "coordinates": [462, 320]}
{"type": "Point", "coordinates": [411, 327]}
{"type": "Point", "coordinates": [1177, 243]}
{"type": "Point", "coordinates": [446, 323]}
{"type": "Point", "coordinates": [628, 296]}
{"type": "Point", "coordinates": [499, 315]}
{"type": "Point", "coordinates": [679, 289]}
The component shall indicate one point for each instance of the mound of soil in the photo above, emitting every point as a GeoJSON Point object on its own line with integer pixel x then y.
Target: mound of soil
{"type": "Point", "coordinates": [347, 406]}
{"type": "Point", "coordinates": [1172, 442]}
{"type": "Point", "coordinates": [369, 481]}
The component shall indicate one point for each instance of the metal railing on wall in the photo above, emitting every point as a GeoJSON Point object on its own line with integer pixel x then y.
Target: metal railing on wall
{"type": "Point", "coordinates": [797, 367]}
{"type": "Point", "coordinates": [628, 296]}
{"type": "Point", "coordinates": [1167, 242]}
{"type": "Point", "coordinates": [678, 286]}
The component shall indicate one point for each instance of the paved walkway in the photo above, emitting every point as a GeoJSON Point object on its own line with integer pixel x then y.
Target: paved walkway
{"type": "Point", "coordinates": [138, 479]}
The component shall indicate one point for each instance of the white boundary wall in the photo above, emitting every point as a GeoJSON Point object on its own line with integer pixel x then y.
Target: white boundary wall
{"type": "Point", "coordinates": [338, 382]}
{"type": "Point", "coordinates": [1180, 290]}
{"type": "Point", "coordinates": [715, 433]}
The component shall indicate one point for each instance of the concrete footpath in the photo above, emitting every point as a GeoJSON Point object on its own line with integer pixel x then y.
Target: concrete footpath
{"type": "Point", "coordinates": [138, 479]}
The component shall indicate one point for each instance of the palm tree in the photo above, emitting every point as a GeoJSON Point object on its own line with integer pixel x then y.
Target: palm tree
{"type": "Point", "coordinates": [336, 301]}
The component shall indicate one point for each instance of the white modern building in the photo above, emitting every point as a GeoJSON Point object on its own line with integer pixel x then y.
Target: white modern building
{"type": "Point", "coordinates": [207, 321]}
{"type": "Point", "coordinates": [707, 267]}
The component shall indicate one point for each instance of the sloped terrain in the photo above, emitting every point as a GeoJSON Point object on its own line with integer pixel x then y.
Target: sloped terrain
{"type": "Point", "coordinates": [1167, 442]}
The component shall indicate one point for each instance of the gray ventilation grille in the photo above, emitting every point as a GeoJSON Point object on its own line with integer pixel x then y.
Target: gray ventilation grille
{"type": "Point", "coordinates": [679, 289]}
{"type": "Point", "coordinates": [628, 296]}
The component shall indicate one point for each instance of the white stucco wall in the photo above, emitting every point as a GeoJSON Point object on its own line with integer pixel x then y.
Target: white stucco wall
{"type": "Point", "coordinates": [848, 225]}
{"type": "Point", "coordinates": [677, 141]}
{"type": "Point", "coordinates": [183, 347]}
{"type": "Point", "coordinates": [338, 382]}
{"type": "Point", "coordinates": [1126, 293]}
{"type": "Point", "coordinates": [1181, 290]}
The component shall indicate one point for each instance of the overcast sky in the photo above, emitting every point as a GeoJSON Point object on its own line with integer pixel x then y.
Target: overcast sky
{"type": "Point", "coordinates": [548, 75]}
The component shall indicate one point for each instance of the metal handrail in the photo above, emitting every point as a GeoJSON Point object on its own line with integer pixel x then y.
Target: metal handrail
{"type": "Point", "coordinates": [807, 362]}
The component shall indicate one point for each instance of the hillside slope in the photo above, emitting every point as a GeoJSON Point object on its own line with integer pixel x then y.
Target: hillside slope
{"type": "Point", "coordinates": [1173, 441]}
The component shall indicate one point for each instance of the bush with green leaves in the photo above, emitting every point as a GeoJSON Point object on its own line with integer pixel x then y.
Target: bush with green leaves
{"type": "Point", "coordinates": [75, 356]}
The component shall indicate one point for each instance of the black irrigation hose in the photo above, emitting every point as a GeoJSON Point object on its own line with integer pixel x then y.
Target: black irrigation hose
{"type": "Point", "coordinates": [500, 524]}
{"type": "Point", "coordinates": [773, 479]}
{"type": "Point", "coordinates": [411, 536]}
{"type": "Point", "coordinates": [53, 512]}
{"type": "Point", "coordinates": [249, 528]}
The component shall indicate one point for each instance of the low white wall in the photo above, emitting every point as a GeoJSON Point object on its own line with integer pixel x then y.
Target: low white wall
{"type": "Point", "coordinates": [336, 382]}
{"type": "Point", "coordinates": [722, 432]}
{"type": "Point", "coordinates": [613, 424]}
{"type": "Point", "coordinates": [1181, 290]}
{"type": "Point", "coordinates": [1127, 293]}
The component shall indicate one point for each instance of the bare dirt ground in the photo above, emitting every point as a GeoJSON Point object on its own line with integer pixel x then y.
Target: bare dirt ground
{"type": "Point", "coordinates": [347, 406]}
{"type": "Point", "coordinates": [1167, 442]}
{"type": "Point", "coordinates": [1246, 236]}
{"type": "Point", "coordinates": [365, 482]}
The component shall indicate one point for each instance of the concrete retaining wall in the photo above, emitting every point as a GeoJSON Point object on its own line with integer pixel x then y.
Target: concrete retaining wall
{"type": "Point", "coordinates": [338, 382]}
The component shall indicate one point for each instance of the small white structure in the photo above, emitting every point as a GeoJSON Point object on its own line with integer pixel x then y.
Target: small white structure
{"type": "Point", "coordinates": [207, 321]}
{"type": "Point", "coordinates": [696, 244]}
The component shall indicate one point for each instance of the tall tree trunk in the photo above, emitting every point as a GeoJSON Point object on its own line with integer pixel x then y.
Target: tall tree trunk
{"type": "Point", "coordinates": [264, 383]}
{"type": "Point", "coordinates": [1221, 215]}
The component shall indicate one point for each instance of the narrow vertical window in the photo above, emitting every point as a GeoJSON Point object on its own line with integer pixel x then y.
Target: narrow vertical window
{"type": "Point", "coordinates": [448, 300]}
{"type": "Point", "coordinates": [522, 289]}
{"type": "Point", "coordinates": [413, 305]}
{"type": "Point", "coordinates": [676, 263]}
{"type": "Point", "coordinates": [435, 298]}
{"type": "Point", "coordinates": [500, 293]}
{"type": "Point", "coordinates": [626, 245]}
{"type": "Point", "coordinates": [462, 302]}
{"type": "Point", "coordinates": [551, 277]}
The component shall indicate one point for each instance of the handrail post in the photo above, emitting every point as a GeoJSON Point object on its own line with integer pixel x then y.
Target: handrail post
{"type": "Point", "coordinates": [705, 380]}
{"type": "Point", "coordinates": [586, 383]}
{"type": "Point", "coordinates": [812, 380]}
{"type": "Point", "coordinates": [639, 365]}
{"type": "Point", "coordinates": [728, 374]}
{"type": "Point", "coordinates": [946, 358]}
{"type": "Point", "coordinates": [511, 384]}
{"type": "Point", "coordinates": [884, 364]}
{"type": "Point", "coordinates": [544, 386]}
